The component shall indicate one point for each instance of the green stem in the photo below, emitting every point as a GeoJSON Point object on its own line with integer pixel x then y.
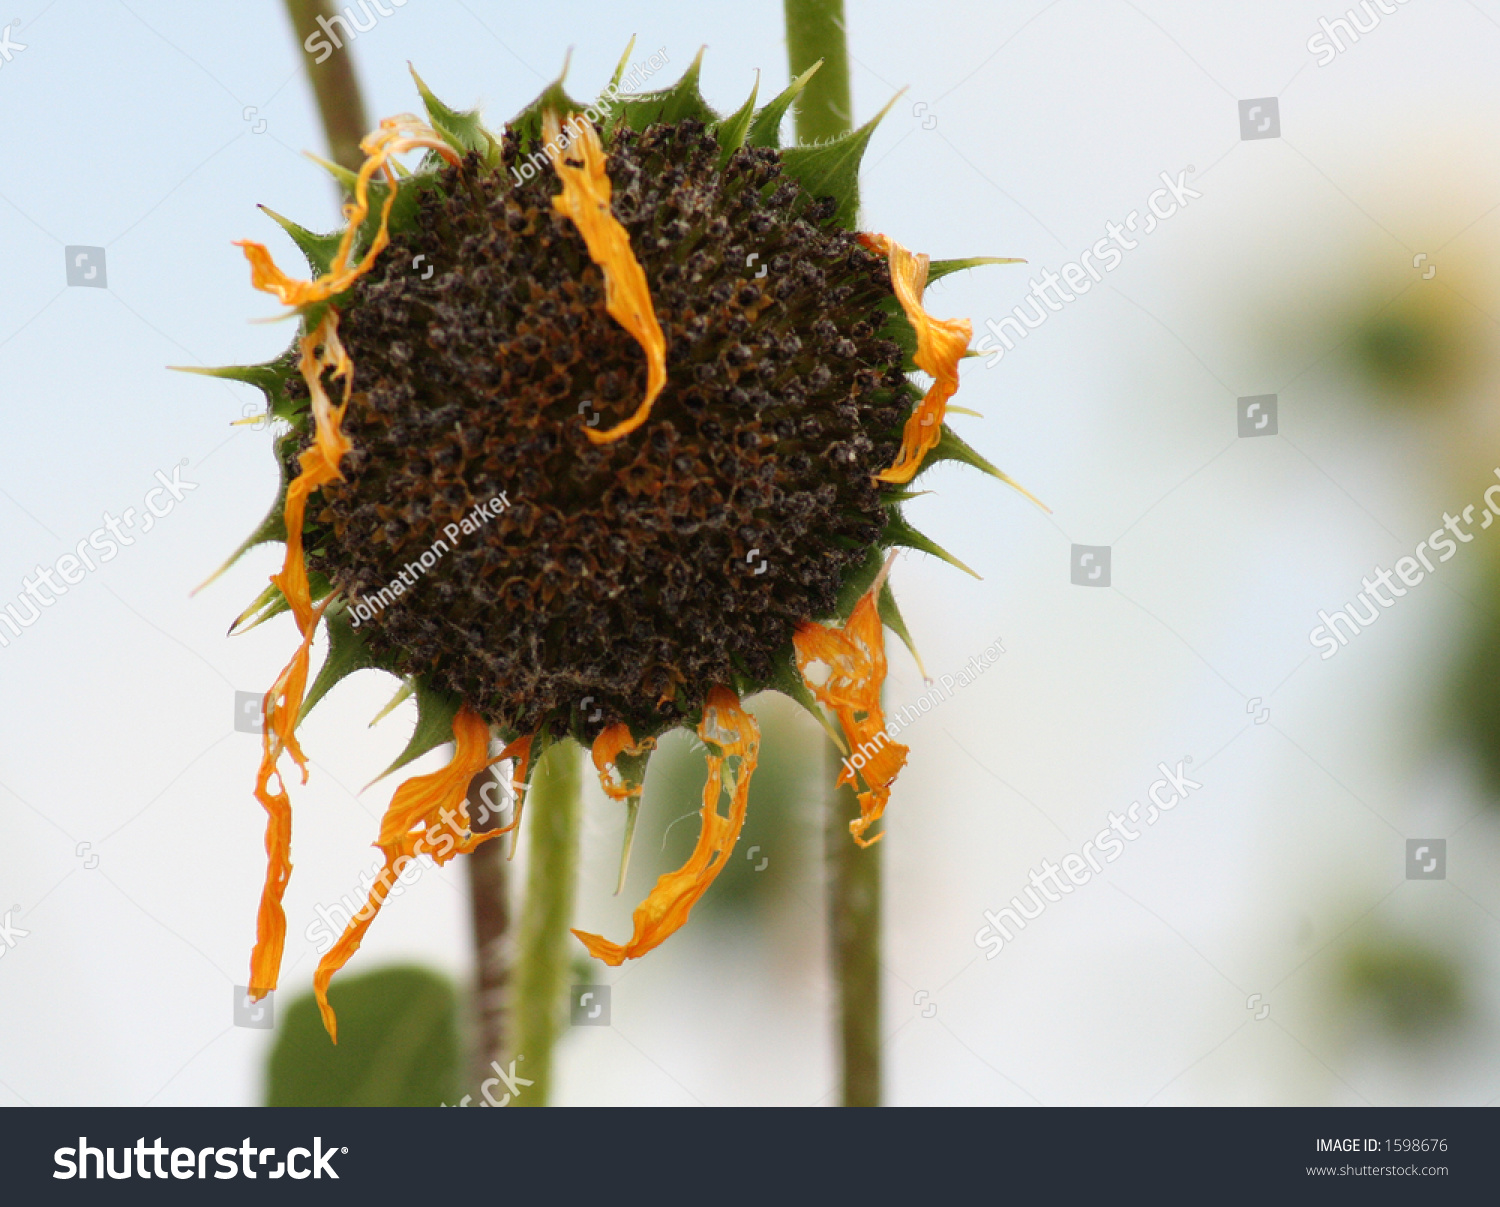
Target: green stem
{"type": "Point", "coordinates": [554, 807]}
{"type": "Point", "coordinates": [854, 940]}
{"type": "Point", "coordinates": [489, 909]}
{"type": "Point", "coordinates": [334, 85]}
{"type": "Point", "coordinates": [815, 30]}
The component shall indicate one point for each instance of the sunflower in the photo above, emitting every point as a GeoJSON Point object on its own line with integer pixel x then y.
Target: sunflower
{"type": "Point", "coordinates": [594, 427]}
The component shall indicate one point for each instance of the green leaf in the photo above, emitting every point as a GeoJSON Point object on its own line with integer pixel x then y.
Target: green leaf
{"type": "Point", "coordinates": [939, 269]}
{"type": "Point", "coordinates": [765, 129]}
{"type": "Point", "coordinates": [733, 129]}
{"type": "Point", "coordinates": [318, 249]}
{"type": "Point", "coordinates": [899, 532]}
{"type": "Point", "coordinates": [398, 1044]}
{"type": "Point", "coordinates": [831, 169]}
{"type": "Point", "coordinates": [435, 713]}
{"type": "Point", "coordinates": [460, 128]}
{"type": "Point", "coordinates": [951, 448]}
{"type": "Point", "coordinates": [347, 653]}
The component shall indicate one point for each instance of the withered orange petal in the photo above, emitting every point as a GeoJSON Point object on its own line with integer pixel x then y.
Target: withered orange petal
{"type": "Point", "coordinates": [585, 199]}
{"type": "Point", "coordinates": [395, 136]}
{"type": "Point", "coordinates": [608, 747]}
{"type": "Point", "coordinates": [854, 655]}
{"type": "Point", "coordinates": [941, 344]}
{"type": "Point", "coordinates": [421, 807]}
{"type": "Point", "coordinates": [732, 736]}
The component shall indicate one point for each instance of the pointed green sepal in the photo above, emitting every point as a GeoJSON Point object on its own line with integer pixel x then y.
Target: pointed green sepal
{"type": "Point", "coordinates": [765, 129]}
{"type": "Point", "coordinates": [269, 378]}
{"type": "Point", "coordinates": [435, 713]}
{"type": "Point", "coordinates": [461, 129]}
{"type": "Point", "coordinates": [632, 769]}
{"type": "Point", "coordinates": [733, 129]}
{"type": "Point", "coordinates": [789, 683]}
{"type": "Point", "coordinates": [890, 616]}
{"type": "Point", "coordinates": [899, 532]}
{"type": "Point", "coordinates": [614, 80]}
{"type": "Point", "coordinates": [271, 603]}
{"type": "Point", "coordinates": [939, 269]}
{"type": "Point", "coordinates": [408, 686]}
{"type": "Point", "coordinates": [318, 249]}
{"type": "Point", "coordinates": [831, 169]}
{"type": "Point", "coordinates": [527, 124]}
{"type": "Point", "coordinates": [681, 101]}
{"type": "Point", "coordinates": [859, 581]}
{"type": "Point", "coordinates": [345, 178]}
{"type": "Point", "coordinates": [347, 653]}
{"type": "Point", "coordinates": [951, 448]}
{"type": "Point", "coordinates": [272, 527]}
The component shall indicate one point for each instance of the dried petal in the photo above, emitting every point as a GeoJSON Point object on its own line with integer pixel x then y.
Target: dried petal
{"type": "Point", "coordinates": [627, 297]}
{"type": "Point", "coordinates": [855, 658]}
{"type": "Point", "coordinates": [941, 343]}
{"type": "Point", "coordinates": [733, 741]}
{"type": "Point", "coordinates": [428, 815]}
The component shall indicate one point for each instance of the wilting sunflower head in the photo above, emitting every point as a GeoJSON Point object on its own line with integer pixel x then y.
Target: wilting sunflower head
{"type": "Point", "coordinates": [595, 426]}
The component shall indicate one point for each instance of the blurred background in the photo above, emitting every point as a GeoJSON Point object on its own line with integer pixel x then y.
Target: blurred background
{"type": "Point", "coordinates": [1275, 939]}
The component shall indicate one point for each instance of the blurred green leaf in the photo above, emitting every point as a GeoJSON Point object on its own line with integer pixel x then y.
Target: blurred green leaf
{"type": "Point", "coordinates": [398, 1044]}
{"type": "Point", "coordinates": [1414, 988]}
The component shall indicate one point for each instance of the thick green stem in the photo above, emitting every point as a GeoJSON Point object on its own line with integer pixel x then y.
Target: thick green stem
{"type": "Point", "coordinates": [854, 942]}
{"type": "Point", "coordinates": [333, 83]}
{"type": "Point", "coordinates": [815, 30]}
{"type": "Point", "coordinates": [554, 809]}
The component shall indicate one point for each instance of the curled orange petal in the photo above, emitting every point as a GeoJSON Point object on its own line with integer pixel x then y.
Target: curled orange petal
{"type": "Point", "coordinates": [855, 657]}
{"type": "Point", "coordinates": [585, 199]}
{"type": "Point", "coordinates": [395, 136]}
{"type": "Point", "coordinates": [319, 463]}
{"type": "Point", "coordinates": [733, 741]}
{"type": "Point", "coordinates": [941, 343]}
{"type": "Point", "coordinates": [428, 815]}
{"type": "Point", "coordinates": [608, 747]}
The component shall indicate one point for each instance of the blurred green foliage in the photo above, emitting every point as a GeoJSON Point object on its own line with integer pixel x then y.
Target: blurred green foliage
{"type": "Point", "coordinates": [1421, 347]}
{"type": "Point", "coordinates": [1473, 705]}
{"type": "Point", "coordinates": [398, 1044]}
{"type": "Point", "coordinates": [1414, 989]}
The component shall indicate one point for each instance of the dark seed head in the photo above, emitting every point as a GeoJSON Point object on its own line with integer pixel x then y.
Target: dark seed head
{"type": "Point", "coordinates": [645, 571]}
